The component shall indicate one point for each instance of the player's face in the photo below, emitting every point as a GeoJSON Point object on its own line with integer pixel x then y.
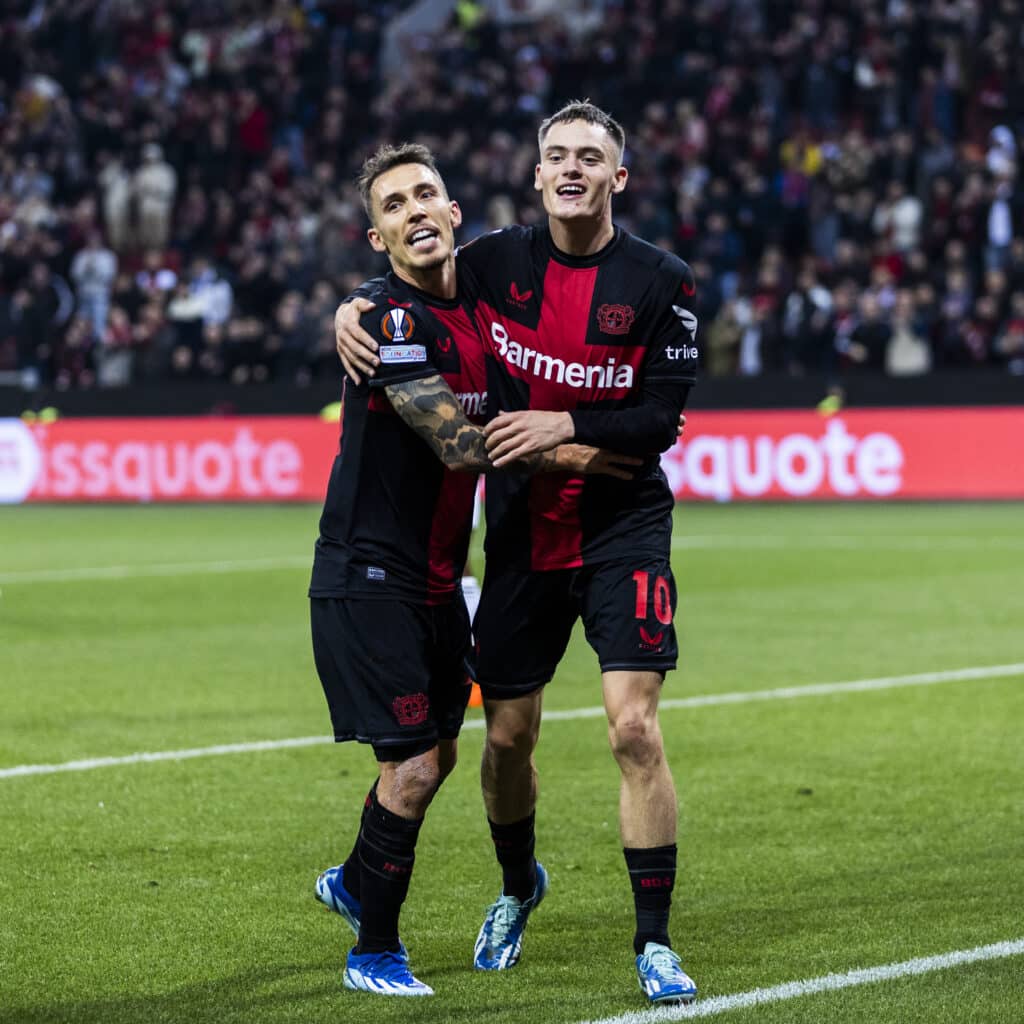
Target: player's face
{"type": "Point", "coordinates": [579, 171]}
{"type": "Point", "coordinates": [414, 221]}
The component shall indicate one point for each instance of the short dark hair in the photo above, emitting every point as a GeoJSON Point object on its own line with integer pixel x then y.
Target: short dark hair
{"type": "Point", "coordinates": [388, 157]}
{"type": "Point", "coordinates": [584, 110]}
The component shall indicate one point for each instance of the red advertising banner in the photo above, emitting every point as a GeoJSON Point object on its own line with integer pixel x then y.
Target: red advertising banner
{"type": "Point", "coordinates": [271, 458]}
{"type": "Point", "coordinates": [858, 454]}
{"type": "Point", "coordinates": [725, 456]}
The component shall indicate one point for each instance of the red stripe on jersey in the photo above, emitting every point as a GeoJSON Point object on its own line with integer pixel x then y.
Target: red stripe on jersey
{"type": "Point", "coordinates": [562, 331]}
{"type": "Point", "coordinates": [453, 514]}
{"type": "Point", "coordinates": [556, 533]}
{"type": "Point", "coordinates": [378, 402]}
{"type": "Point", "coordinates": [470, 384]}
{"type": "Point", "coordinates": [449, 535]}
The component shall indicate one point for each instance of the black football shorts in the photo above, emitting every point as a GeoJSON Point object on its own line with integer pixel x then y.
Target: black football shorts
{"type": "Point", "coordinates": [394, 673]}
{"type": "Point", "coordinates": [525, 619]}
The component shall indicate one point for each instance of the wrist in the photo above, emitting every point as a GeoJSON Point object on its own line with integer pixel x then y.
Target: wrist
{"type": "Point", "coordinates": [568, 458]}
{"type": "Point", "coordinates": [567, 428]}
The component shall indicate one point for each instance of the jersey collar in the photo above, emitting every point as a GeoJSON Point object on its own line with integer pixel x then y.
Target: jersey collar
{"type": "Point", "coordinates": [406, 290]}
{"type": "Point", "coordinates": [581, 261]}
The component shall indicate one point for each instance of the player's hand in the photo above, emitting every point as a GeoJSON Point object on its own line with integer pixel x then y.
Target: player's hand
{"type": "Point", "coordinates": [582, 459]}
{"type": "Point", "coordinates": [682, 424]}
{"type": "Point", "coordinates": [358, 351]}
{"type": "Point", "coordinates": [514, 435]}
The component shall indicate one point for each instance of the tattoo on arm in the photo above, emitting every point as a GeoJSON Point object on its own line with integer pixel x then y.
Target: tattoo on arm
{"type": "Point", "coordinates": [429, 406]}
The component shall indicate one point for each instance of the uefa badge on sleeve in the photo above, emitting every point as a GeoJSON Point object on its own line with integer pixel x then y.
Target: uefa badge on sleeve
{"type": "Point", "coordinates": [397, 326]}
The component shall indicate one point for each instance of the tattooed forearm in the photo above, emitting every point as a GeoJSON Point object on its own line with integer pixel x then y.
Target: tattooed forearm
{"type": "Point", "coordinates": [431, 409]}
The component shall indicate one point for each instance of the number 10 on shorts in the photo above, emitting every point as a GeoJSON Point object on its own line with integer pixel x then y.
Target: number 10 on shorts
{"type": "Point", "coordinates": [662, 598]}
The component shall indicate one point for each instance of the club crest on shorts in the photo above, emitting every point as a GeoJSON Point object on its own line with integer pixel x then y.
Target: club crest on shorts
{"type": "Point", "coordinates": [613, 318]}
{"type": "Point", "coordinates": [397, 325]}
{"type": "Point", "coordinates": [411, 710]}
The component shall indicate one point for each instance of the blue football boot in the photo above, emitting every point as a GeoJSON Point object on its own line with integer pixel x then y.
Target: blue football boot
{"type": "Point", "coordinates": [501, 936]}
{"type": "Point", "coordinates": [384, 974]}
{"type": "Point", "coordinates": [331, 892]}
{"type": "Point", "coordinates": [661, 978]}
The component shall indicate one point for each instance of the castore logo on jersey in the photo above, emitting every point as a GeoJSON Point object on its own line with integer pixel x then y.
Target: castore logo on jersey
{"type": "Point", "coordinates": [518, 298]}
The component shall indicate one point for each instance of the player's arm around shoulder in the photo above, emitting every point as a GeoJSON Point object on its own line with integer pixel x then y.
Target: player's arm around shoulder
{"type": "Point", "coordinates": [357, 348]}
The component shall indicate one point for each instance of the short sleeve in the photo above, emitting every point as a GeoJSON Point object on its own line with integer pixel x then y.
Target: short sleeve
{"type": "Point", "coordinates": [405, 344]}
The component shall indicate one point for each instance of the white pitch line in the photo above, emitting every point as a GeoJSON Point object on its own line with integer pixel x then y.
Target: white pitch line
{"type": "Point", "coordinates": [737, 542]}
{"type": "Point", "coordinates": [123, 572]}
{"type": "Point", "coordinates": [708, 700]}
{"type": "Point", "coordinates": [826, 983]}
{"type": "Point", "coordinates": [88, 764]}
{"type": "Point", "coordinates": [839, 542]}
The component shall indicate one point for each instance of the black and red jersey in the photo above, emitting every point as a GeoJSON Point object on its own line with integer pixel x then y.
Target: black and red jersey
{"type": "Point", "coordinates": [577, 333]}
{"type": "Point", "coordinates": [396, 522]}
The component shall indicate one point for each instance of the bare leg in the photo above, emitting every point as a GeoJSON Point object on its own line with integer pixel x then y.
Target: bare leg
{"type": "Point", "coordinates": [507, 773]}
{"type": "Point", "coordinates": [647, 799]}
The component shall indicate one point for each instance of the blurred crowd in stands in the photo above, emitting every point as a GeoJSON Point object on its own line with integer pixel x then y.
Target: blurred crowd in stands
{"type": "Point", "coordinates": [176, 194]}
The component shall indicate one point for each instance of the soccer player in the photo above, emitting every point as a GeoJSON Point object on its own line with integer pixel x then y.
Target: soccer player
{"type": "Point", "coordinates": [590, 337]}
{"type": "Point", "coordinates": [390, 628]}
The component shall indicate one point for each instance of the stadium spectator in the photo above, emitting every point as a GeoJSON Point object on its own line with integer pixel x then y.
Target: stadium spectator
{"type": "Point", "coordinates": [1008, 347]}
{"type": "Point", "coordinates": [907, 352]}
{"type": "Point", "coordinates": [93, 271]}
{"type": "Point", "coordinates": [116, 183]}
{"type": "Point", "coordinates": [154, 186]}
{"type": "Point", "coordinates": [114, 355]}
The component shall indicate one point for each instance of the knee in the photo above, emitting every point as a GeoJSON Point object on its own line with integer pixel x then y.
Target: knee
{"type": "Point", "coordinates": [635, 739]}
{"type": "Point", "coordinates": [512, 744]}
{"type": "Point", "coordinates": [417, 780]}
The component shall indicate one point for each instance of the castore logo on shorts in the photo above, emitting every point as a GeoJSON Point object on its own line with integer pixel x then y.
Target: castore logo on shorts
{"type": "Point", "coordinates": [651, 643]}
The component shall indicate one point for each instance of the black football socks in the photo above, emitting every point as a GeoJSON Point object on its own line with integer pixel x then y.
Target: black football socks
{"type": "Point", "coordinates": [350, 868]}
{"type": "Point", "coordinates": [514, 845]}
{"type": "Point", "coordinates": [387, 852]}
{"type": "Point", "coordinates": [652, 874]}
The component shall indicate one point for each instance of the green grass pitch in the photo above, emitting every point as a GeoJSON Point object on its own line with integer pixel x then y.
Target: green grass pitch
{"type": "Point", "coordinates": [819, 834]}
